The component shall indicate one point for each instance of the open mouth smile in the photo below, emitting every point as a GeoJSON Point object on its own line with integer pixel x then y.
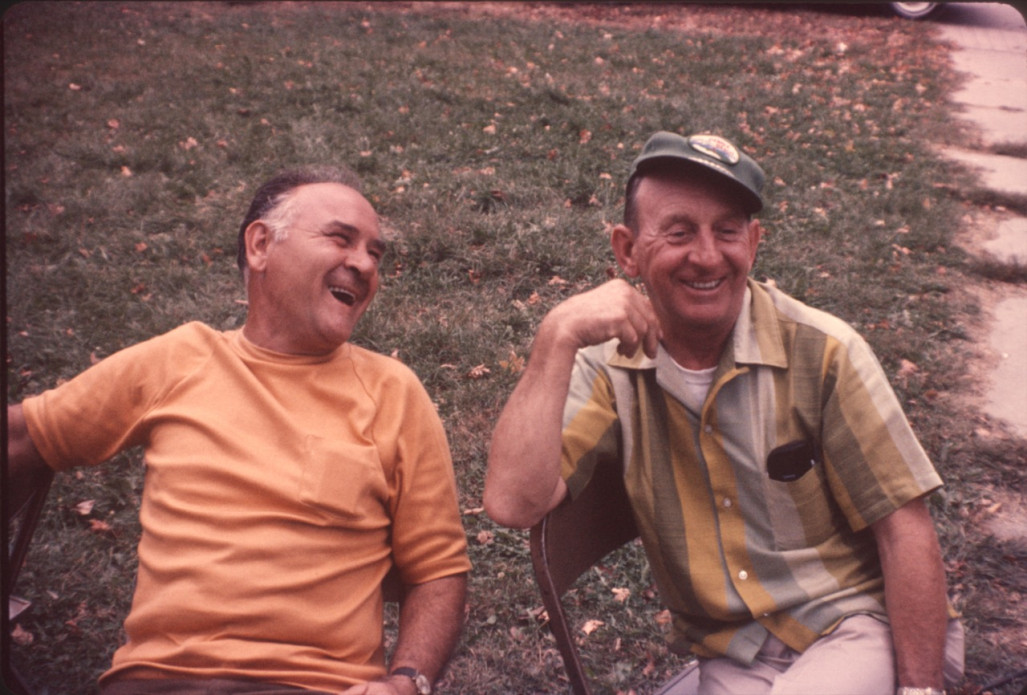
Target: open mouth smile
{"type": "Point", "coordinates": [343, 295]}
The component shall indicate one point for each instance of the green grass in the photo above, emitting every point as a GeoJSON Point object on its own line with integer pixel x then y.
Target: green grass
{"type": "Point", "coordinates": [496, 148]}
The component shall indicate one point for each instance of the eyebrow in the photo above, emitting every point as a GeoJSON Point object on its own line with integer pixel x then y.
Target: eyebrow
{"type": "Point", "coordinates": [684, 218]}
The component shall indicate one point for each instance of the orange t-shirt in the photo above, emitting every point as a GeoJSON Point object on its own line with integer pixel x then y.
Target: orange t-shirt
{"type": "Point", "coordinates": [278, 492]}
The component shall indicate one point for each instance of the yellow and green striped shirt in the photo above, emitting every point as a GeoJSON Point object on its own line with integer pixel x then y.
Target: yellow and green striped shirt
{"type": "Point", "coordinates": [735, 553]}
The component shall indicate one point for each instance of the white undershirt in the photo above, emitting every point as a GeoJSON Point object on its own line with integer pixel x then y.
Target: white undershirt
{"type": "Point", "coordinates": [697, 385]}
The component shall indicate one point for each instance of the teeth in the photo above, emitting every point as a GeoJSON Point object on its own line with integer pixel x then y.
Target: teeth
{"type": "Point", "coordinates": [704, 285]}
{"type": "Point", "coordinates": [343, 295]}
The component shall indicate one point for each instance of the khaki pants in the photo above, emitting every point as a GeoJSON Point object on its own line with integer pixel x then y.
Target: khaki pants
{"type": "Point", "coordinates": [855, 659]}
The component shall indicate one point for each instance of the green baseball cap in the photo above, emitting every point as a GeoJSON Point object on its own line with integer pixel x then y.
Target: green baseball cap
{"type": "Point", "coordinates": [713, 152]}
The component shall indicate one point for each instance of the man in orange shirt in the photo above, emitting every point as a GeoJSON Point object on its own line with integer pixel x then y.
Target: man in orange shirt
{"type": "Point", "coordinates": [288, 471]}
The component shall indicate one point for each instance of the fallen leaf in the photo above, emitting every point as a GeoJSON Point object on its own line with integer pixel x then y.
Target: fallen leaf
{"type": "Point", "coordinates": [907, 369]}
{"type": "Point", "coordinates": [591, 626]}
{"type": "Point", "coordinates": [478, 372]}
{"type": "Point", "coordinates": [486, 537]}
{"type": "Point", "coordinates": [514, 364]}
{"type": "Point", "coordinates": [621, 594]}
{"type": "Point", "coordinates": [97, 526]}
{"type": "Point", "coordinates": [22, 636]}
{"type": "Point", "coordinates": [85, 507]}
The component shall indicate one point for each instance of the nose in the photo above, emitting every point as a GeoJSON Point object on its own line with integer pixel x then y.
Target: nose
{"type": "Point", "coordinates": [361, 260]}
{"type": "Point", "coordinates": [704, 248]}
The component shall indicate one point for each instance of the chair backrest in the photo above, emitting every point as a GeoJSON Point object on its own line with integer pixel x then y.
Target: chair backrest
{"type": "Point", "coordinates": [21, 525]}
{"type": "Point", "coordinates": [392, 587]}
{"type": "Point", "coordinates": [569, 540]}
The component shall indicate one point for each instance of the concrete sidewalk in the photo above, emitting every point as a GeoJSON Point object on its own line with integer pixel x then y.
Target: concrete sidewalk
{"type": "Point", "coordinates": [990, 46]}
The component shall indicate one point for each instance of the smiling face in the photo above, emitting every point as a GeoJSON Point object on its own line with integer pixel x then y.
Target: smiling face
{"type": "Point", "coordinates": [309, 284]}
{"type": "Point", "coordinates": [693, 250]}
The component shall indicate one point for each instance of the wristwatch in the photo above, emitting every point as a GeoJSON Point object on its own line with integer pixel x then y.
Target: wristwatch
{"type": "Point", "coordinates": [421, 682]}
{"type": "Point", "coordinates": [905, 690]}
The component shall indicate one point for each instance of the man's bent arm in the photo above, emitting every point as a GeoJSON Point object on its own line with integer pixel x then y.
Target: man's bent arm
{"type": "Point", "coordinates": [914, 593]}
{"type": "Point", "coordinates": [24, 462]}
{"type": "Point", "coordinates": [523, 481]}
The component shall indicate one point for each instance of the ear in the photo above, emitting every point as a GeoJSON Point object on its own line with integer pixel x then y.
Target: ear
{"type": "Point", "coordinates": [258, 241]}
{"type": "Point", "coordinates": [755, 234]}
{"type": "Point", "coordinates": [622, 239]}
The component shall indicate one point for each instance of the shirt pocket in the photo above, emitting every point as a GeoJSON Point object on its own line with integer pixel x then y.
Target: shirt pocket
{"type": "Point", "coordinates": [343, 481]}
{"type": "Point", "coordinates": [800, 510]}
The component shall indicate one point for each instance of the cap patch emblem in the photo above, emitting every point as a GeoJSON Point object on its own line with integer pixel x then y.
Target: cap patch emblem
{"type": "Point", "coordinates": [716, 147]}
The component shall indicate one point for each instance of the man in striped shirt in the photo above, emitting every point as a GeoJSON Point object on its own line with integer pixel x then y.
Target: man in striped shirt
{"type": "Point", "coordinates": [777, 485]}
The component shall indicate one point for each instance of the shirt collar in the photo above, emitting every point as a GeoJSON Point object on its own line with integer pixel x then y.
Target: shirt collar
{"type": "Point", "coordinates": [757, 338]}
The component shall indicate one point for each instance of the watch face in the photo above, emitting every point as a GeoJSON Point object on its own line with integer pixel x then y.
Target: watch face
{"type": "Point", "coordinates": [422, 684]}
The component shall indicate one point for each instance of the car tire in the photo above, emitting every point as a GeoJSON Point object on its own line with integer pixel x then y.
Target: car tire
{"type": "Point", "coordinates": [913, 10]}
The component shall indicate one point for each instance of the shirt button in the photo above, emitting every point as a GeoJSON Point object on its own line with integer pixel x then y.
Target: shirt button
{"type": "Point", "coordinates": [727, 501]}
{"type": "Point", "coordinates": [743, 575]}
{"type": "Point", "coordinates": [707, 429]}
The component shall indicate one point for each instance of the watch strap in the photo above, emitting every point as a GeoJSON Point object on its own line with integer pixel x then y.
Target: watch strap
{"type": "Point", "coordinates": [421, 682]}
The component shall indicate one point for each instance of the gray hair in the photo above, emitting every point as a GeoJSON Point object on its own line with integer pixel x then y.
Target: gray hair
{"type": "Point", "coordinates": [271, 203]}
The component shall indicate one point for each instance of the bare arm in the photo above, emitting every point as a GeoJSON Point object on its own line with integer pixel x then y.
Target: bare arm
{"type": "Point", "coordinates": [430, 621]}
{"type": "Point", "coordinates": [523, 480]}
{"type": "Point", "coordinates": [914, 591]}
{"type": "Point", "coordinates": [24, 462]}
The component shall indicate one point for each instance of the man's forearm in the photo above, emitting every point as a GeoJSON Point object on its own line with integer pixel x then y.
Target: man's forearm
{"type": "Point", "coordinates": [915, 596]}
{"type": "Point", "coordinates": [430, 621]}
{"type": "Point", "coordinates": [523, 479]}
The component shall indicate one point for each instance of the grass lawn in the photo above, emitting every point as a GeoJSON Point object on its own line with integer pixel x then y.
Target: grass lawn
{"type": "Point", "coordinates": [495, 142]}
